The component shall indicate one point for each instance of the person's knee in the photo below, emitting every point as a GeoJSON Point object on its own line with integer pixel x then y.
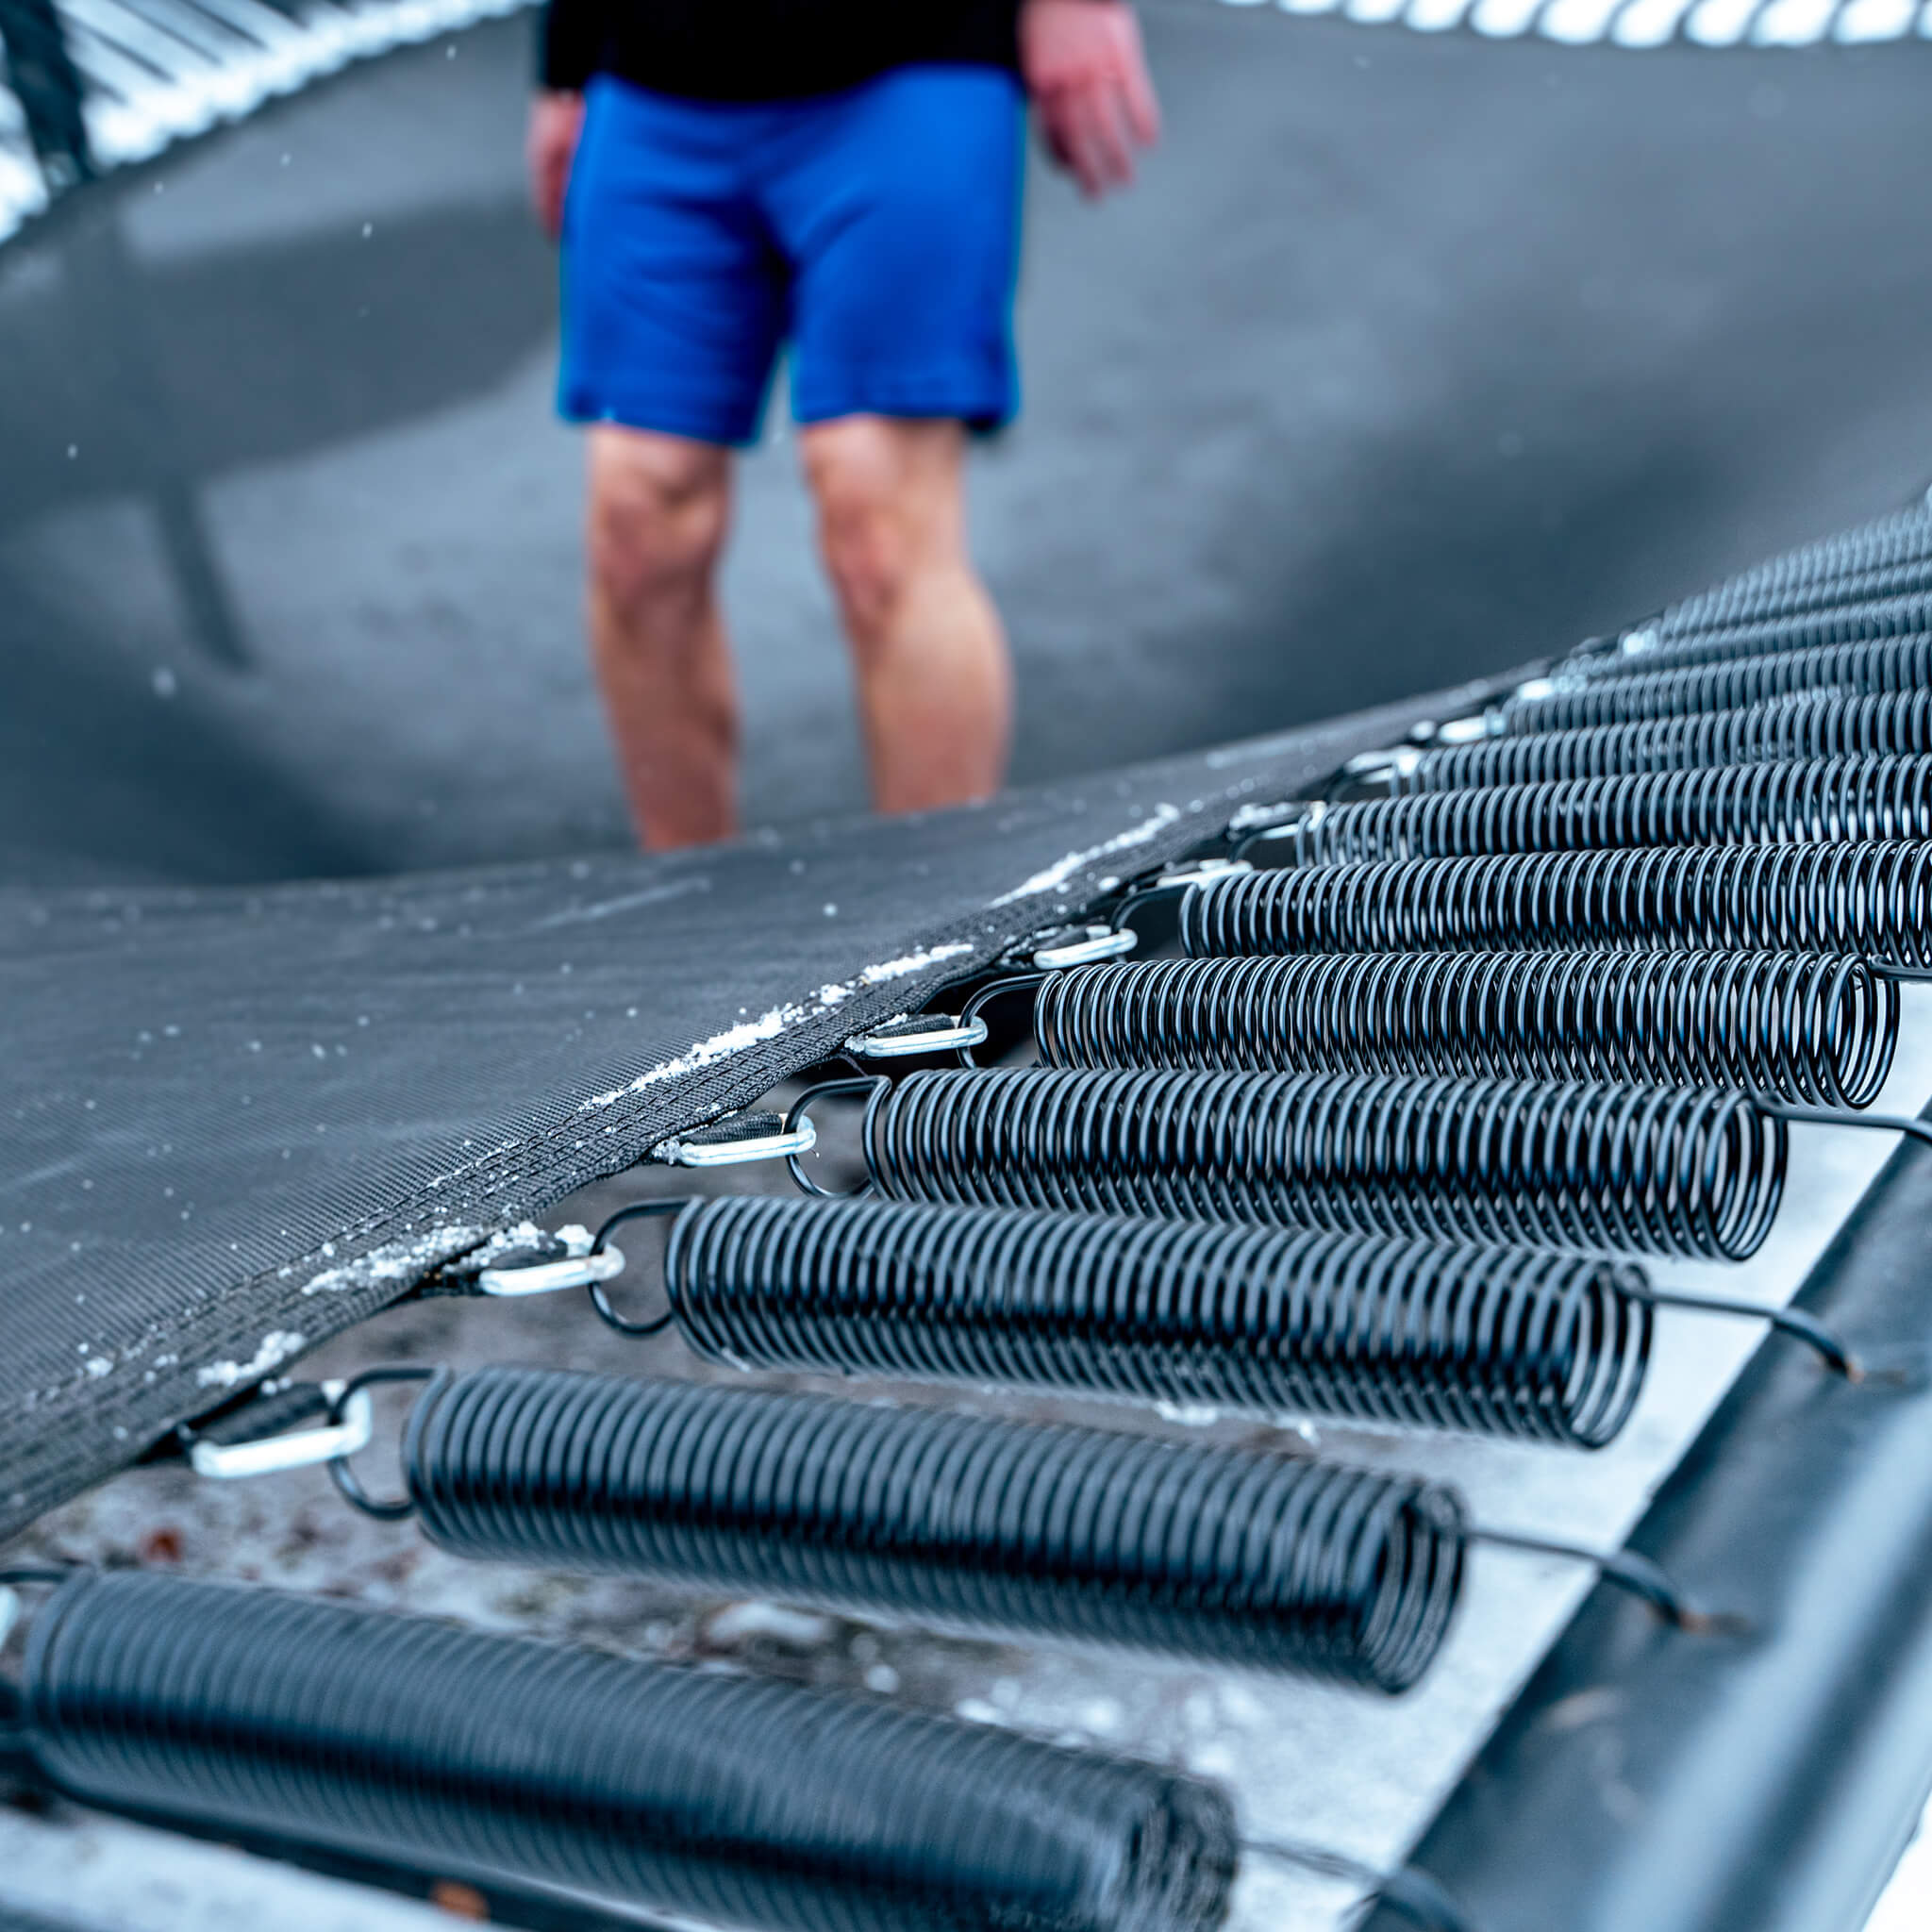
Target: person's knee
{"type": "Point", "coordinates": [660, 511]}
{"type": "Point", "coordinates": [887, 497]}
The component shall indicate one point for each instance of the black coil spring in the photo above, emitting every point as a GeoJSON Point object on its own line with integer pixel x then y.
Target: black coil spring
{"type": "Point", "coordinates": [1804, 1027]}
{"type": "Point", "coordinates": [1898, 536]}
{"type": "Point", "coordinates": [1657, 1170]}
{"type": "Point", "coordinates": [744, 1801]}
{"type": "Point", "coordinates": [1502, 1341]}
{"type": "Point", "coordinates": [1875, 900]}
{"type": "Point", "coordinates": [1770, 598]}
{"type": "Point", "coordinates": [1814, 725]}
{"type": "Point", "coordinates": [1814, 801]}
{"type": "Point", "coordinates": [1891, 556]}
{"type": "Point", "coordinates": [1649, 647]}
{"type": "Point", "coordinates": [1230, 1555]}
{"type": "Point", "coordinates": [1572, 704]}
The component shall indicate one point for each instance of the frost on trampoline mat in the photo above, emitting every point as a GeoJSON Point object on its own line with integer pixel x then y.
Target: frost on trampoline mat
{"type": "Point", "coordinates": [1060, 874]}
{"type": "Point", "coordinates": [398, 1264]}
{"type": "Point", "coordinates": [769, 1025]}
{"type": "Point", "coordinates": [278, 1345]}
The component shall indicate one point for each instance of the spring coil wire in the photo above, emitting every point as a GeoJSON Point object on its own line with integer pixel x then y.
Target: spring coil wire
{"type": "Point", "coordinates": [1228, 1555]}
{"type": "Point", "coordinates": [1822, 799]}
{"type": "Point", "coordinates": [1806, 1028]}
{"type": "Point", "coordinates": [1781, 597]}
{"type": "Point", "coordinates": [1498, 1342]}
{"type": "Point", "coordinates": [1898, 537]}
{"type": "Point", "coordinates": [1891, 556]}
{"type": "Point", "coordinates": [1814, 725]}
{"type": "Point", "coordinates": [1874, 900]}
{"type": "Point", "coordinates": [1648, 647]}
{"type": "Point", "coordinates": [1570, 703]}
{"type": "Point", "coordinates": [741, 1801]}
{"type": "Point", "coordinates": [1577, 1165]}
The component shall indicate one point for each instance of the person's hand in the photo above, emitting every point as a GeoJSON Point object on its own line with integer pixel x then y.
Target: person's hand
{"type": "Point", "coordinates": [1088, 74]}
{"type": "Point", "coordinates": [556, 121]}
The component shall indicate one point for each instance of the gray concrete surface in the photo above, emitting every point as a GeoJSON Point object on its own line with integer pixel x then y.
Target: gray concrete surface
{"type": "Point", "coordinates": [1410, 357]}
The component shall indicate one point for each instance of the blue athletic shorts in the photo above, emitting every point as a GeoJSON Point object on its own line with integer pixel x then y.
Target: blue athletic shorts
{"type": "Point", "coordinates": [876, 231]}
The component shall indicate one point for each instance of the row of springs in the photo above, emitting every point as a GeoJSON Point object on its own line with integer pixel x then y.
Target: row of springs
{"type": "Point", "coordinates": [1890, 557]}
{"type": "Point", "coordinates": [1384, 1146]}
{"type": "Point", "coordinates": [1329, 1164]}
{"type": "Point", "coordinates": [1345, 1160]}
{"type": "Point", "coordinates": [1330, 1161]}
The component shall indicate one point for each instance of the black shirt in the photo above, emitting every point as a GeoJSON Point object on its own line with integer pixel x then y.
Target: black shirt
{"type": "Point", "coordinates": [761, 50]}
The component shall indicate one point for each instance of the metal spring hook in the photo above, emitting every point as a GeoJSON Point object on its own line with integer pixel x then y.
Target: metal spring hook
{"type": "Point", "coordinates": [593, 1270]}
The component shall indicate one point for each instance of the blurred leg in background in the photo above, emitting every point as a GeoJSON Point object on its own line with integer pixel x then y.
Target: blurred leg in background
{"type": "Point", "coordinates": [935, 687]}
{"type": "Point", "coordinates": [36, 64]}
{"type": "Point", "coordinates": [876, 229]}
{"type": "Point", "coordinates": [659, 507]}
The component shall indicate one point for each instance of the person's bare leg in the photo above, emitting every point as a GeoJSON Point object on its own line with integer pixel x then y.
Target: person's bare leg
{"type": "Point", "coordinates": [935, 687]}
{"type": "Point", "coordinates": [660, 508]}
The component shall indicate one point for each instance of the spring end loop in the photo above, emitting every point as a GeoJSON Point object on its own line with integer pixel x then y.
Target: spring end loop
{"type": "Point", "coordinates": [1010, 987]}
{"type": "Point", "coordinates": [30, 1575]}
{"type": "Point", "coordinates": [596, 1285]}
{"type": "Point", "coordinates": [519, 1279]}
{"type": "Point", "coordinates": [262, 1439]}
{"type": "Point", "coordinates": [1183, 876]}
{"type": "Point", "coordinates": [1086, 946]}
{"type": "Point", "coordinates": [12, 1581]}
{"type": "Point", "coordinates": [1408, 1890]}
{"type": "Point", "coordinates": [1291, 820]}
{"type": "Point", "coordinates": [910, 1038]}
{"type": "Point", "coordinates": [1627, 1571]}
{"type": "Point", "coordinates": [348, 1484]}
{"type": "Point", "coordinates": [1838, 1117]}
{"type": "Point", "coordinates": [1826, 1343]}
{"type": "Point", "coordinates": [799, 1121]}
{"type": "Point", "coordinates": [717, 1146]}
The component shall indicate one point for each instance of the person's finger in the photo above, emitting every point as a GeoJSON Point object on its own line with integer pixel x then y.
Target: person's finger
{"type": "Point", "coordinates": [1053, 130]}
{"type": "Point", "coordinates": [1103, 138]}
{"type": "Point", "coordinates": [1067, 141]}
{"type": "Point", "coordinates": [1117, 130]}
{"type": "Point", "coordinates": [1086, 147]}
{"type": "Point", "coordinates": [1141, 103]}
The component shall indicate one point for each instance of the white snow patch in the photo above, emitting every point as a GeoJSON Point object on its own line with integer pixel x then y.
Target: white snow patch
{"type": "Point", "coordinates": [278, 1345]}
{"type": "Point", "coordinates": [1188, 1415]}
{"type": "Point", "coordinates": [911, 963]}
{"type": "Point", "coordinates": [704, 1054]}
{"type": "Point", "coordinates": [768, 1026]}
{"type": "Point", "coordinates": [1056, 877]}
{"type": "Point", "coordinates": [797, 1630]}
{"type": "Point", "coordinates": [526, 1234]}
{"type": "Point", "coordinates": [399, 1264]}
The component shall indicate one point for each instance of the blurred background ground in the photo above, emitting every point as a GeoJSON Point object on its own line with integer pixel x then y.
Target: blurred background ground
{"type": "Point", "coordinates": [1410, 357]}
